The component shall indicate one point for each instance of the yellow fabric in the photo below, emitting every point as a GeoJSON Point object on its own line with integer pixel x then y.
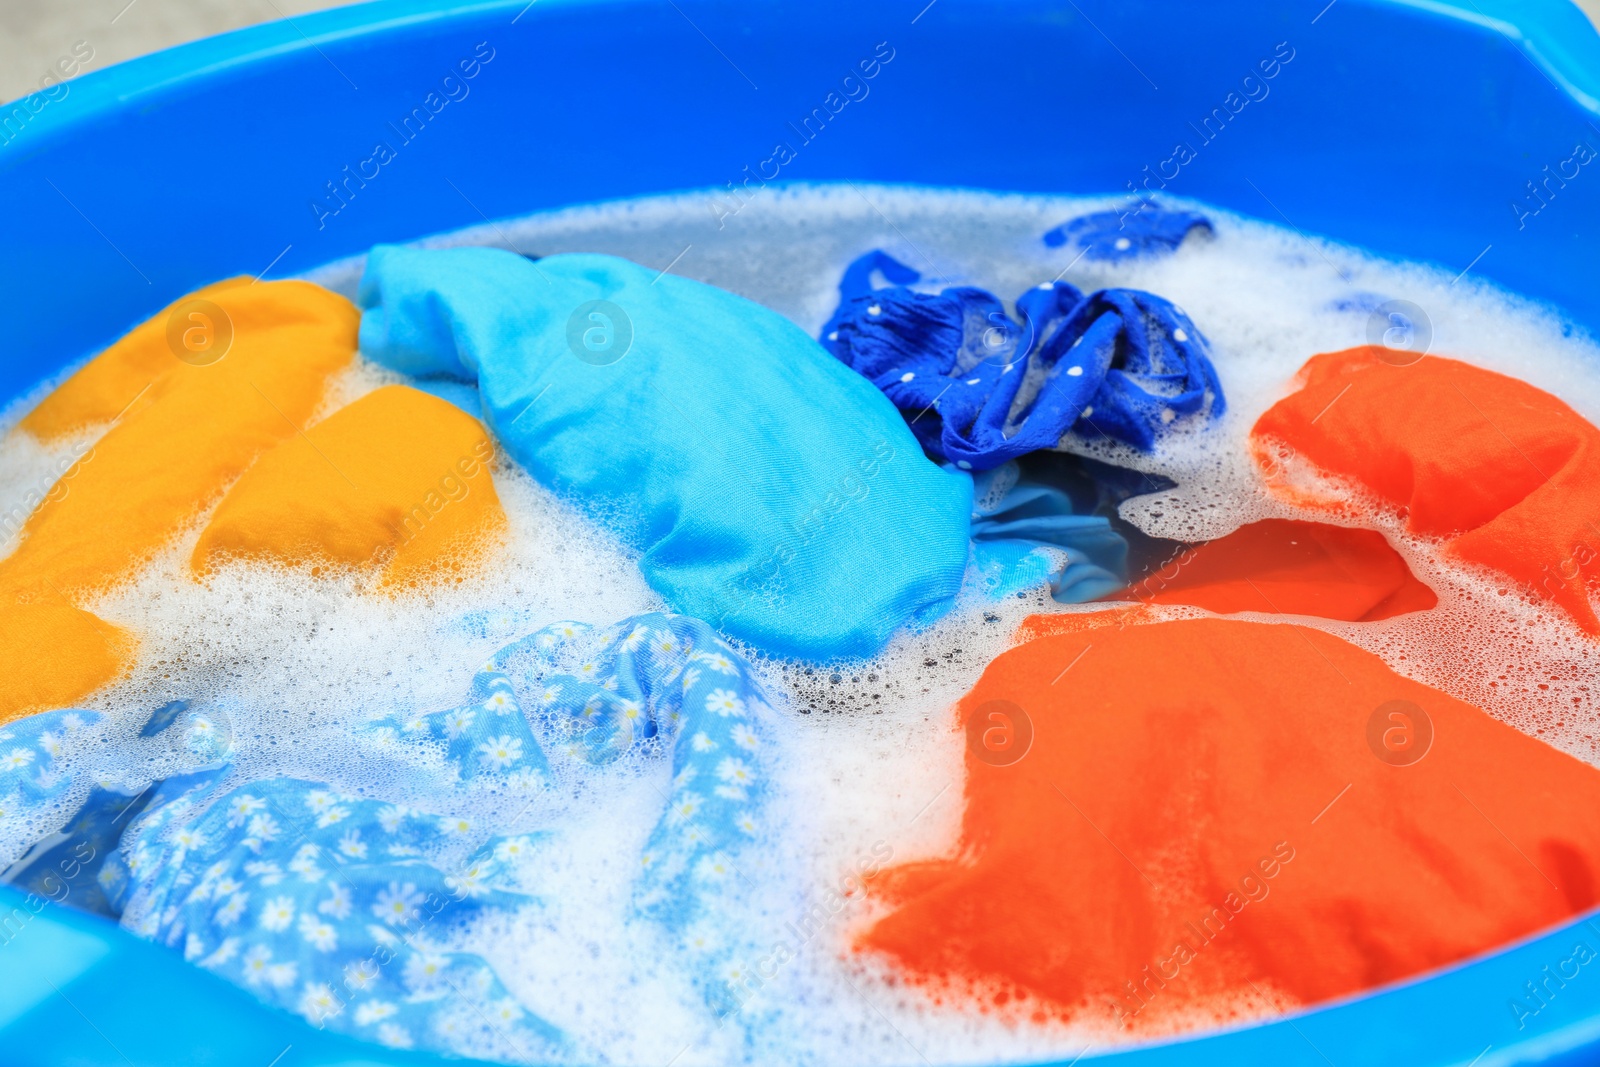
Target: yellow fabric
{"type": "Point", "coordinates": [103, 387]}
{"type": "Point", "coordinates": [193, 430]}
{"type": "Point", "coordinates": [54, 654]}
{"type": "Point", "coordinates": [178, 434]}
{"type": "Point", "coordinates": [396, 482]}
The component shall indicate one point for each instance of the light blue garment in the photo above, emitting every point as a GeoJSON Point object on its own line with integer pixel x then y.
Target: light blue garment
{"type": "Point", "coordinates": [338, 907]}
{"type": "Point", "coordinates": [76, 865]}
{"type": "Point", "coordinates": [36, 756]}
{"type": "Point", "coordinates": [665, 680]}
{"type": "Point", "coordinates": [1026, 533]}
{"type": "Point", "coordinates": [772, 491]}
{"type": "Point", "coordinates": [334, 907]}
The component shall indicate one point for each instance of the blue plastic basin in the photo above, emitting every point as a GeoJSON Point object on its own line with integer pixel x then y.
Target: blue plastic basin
{"type": "Point", "coordinates": [1419, 128]}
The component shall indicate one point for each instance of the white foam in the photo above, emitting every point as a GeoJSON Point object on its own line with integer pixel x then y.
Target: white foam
{"type": "Point", "coordinates": [872, 764]}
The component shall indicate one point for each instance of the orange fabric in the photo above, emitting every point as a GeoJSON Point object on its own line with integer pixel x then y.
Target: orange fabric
{"type": "Point", "coordinates": [1201, 815]}
{"type": "Point", "coordinates": [1288, 567]}
{"type": "Point", "coordinates": [1508, 472]}
{"type": "Point", "coordinates": [397, 480]}
{"type": "Point", "coordinates": [178, 434]}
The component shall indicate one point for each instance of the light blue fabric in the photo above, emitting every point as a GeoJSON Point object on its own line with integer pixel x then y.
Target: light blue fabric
{"type": "Point", "coordinates": [334, 907]}
{"type": "Point", "coordinates": [1026, 533]}
{"type": "Point", "coordinates": [662, 680]}
{"type": "Point", "coordinates": [71, 865]}
{"type": "Point", "coordinates": [772, 491]}
{"type": "Point", "coordinates": [338, 907]}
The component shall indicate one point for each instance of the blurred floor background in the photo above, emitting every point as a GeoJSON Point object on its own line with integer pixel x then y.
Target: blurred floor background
{"type": "Point", "coordinates": [35, 34]}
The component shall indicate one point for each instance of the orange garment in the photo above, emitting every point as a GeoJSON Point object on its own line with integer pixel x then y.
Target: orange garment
{"type": "Point", "coordinates": [1287, 567]}
{"type": "Point", "coordinates": [1507, 472]}
{"type": "Point", "coordinates": [174, 433]}
{"type": "Point", "coordinates": [397, 480]}
{"type": "Point", "coordinates": [1203, 813]}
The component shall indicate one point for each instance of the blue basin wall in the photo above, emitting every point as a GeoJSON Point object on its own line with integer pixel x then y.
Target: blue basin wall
{"type": "Point", "coordinates": [1442, 131]}
{"type": "Point", "coordinates": [1411, 129]}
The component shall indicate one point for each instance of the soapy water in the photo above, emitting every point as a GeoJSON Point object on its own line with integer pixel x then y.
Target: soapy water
{"type": "Point", "coordinates": [871, 766]}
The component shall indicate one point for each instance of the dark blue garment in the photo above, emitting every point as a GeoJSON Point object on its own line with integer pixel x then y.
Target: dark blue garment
{"type": "Point", "coordinates": [1027, 532]}
{"type": "Point", "coordinates": [979, 388]}
{"type": "Point", "coordinates": [1117, 235]}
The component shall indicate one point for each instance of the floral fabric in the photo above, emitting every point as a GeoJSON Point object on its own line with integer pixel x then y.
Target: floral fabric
{"type": "Point", "coordinates": [663, 680]}
{"type": "Point", "coordinates": [344, 908]}
{"type": "Point", "coordinates": [334, 907]}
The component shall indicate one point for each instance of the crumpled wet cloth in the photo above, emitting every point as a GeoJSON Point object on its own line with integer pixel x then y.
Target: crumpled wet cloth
{"type": "Point", "coordinates": [665, 680]}
{"type": "Point", "coordinates": [979, 388]}
{"type": "Point", "coordinates": [1248, 730]}
{"type": "Point", "coordinates": [767, 487]}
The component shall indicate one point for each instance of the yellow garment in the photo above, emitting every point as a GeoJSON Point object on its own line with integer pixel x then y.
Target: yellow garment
{"type": "Point", "coordinates": [54, 654]}
{"type": "Point", "coordinates": [181, 429]}
{"type": "Point", "coordinates": [103, 387]}
{"type": "Point", "coordinates": [397, 481]}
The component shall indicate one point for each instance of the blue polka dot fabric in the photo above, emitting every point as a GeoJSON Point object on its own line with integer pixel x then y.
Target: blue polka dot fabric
{"type": "Point", "coordinates": [978, 387]}
{"type": "Point", "coordinates": [1113, 236]}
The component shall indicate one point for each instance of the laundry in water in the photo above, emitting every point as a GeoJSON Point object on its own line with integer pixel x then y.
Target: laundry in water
{"type": "Point", "coordinates": [1212, 810]}
{"type": "Point", "coordinates": [1032, 522]}
{"type": "Point", "coordinates": [979, 388]}
{"type": "Point", "coordinates": [1505, 473]}
{"type": "Point", "coordinates": [334, 903]}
